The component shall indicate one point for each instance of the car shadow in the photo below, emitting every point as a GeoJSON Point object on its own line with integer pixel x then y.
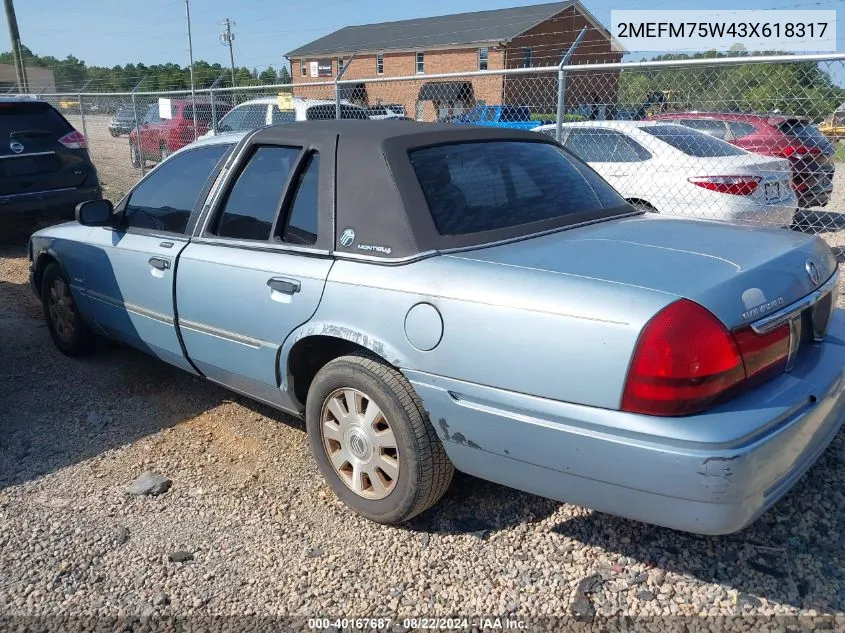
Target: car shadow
{"type": "Point", "coordinates": [57, 411]}
{"type": "Point", "coordinates": [776, 558]}
{"type": "Point", "coordinates": [815, 221]}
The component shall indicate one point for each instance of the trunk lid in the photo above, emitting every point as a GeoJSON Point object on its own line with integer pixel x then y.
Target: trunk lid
{"type": "Point", "coordinates": [31, 157]}
{"type": "Point", "coordinates": [740, 274]}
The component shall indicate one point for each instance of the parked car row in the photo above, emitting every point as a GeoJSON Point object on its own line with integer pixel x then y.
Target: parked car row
{"type": "Point", "coordinates": [793, 138]}
{"type": "Point", "coordinates": [808, 152]}
{"type": "Point", "coordinates": [667, 168]}
{"type": "Point", "coordinates": [515, 318]}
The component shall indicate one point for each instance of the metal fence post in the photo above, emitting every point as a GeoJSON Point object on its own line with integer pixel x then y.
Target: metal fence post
{"type": "Point", "coordinates": [82, 109]}
{"type": "Point", "coordinates": [337, 86]}
{"type": "Point", "coordinates": [214, 101]}
{"type": "Point", "coordinates": [561, 83]}
{"type": "Point", "coordinates": [137, 127]}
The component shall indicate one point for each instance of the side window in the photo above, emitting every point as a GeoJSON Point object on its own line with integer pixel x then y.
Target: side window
{"type": "Point", "coordinates": [283, 116]}
{"type": "Point", "coordinates": [301, 227]}
{"type": "Point", "coordinates": [164, 200]}
{"type": "Point", "coordinates": [591, 146]}
{"type": "Point", "coordinates": [152, 115]}
{"type": "Point", "coordinates": [255, 198]}
{"type": "Point", "coordinates": [255, 116]}
{"type": "Point", "coordinates": [739, 129]}
{"type": "Point", "coordinates": [627, 150]}
{"type": "Point", "coordinates": [716, 129]}
{"type": "Point", "coordinates": [232, 121]}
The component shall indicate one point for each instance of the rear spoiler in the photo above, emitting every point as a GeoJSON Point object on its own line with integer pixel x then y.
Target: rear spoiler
{"type": "Point", "coordinates": [793, 120]}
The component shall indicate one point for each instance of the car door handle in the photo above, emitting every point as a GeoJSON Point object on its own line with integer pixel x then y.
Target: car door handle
{"type": "Point", "coordinates": [285, 286]}
{"type": "Point", "coordinates": [159, 263]}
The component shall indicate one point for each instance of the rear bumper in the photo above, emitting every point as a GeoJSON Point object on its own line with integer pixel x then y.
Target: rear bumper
{"type": "Point", "coordinates": [678, 473]}
{"type": "Point", "coordinates": [59, 203]}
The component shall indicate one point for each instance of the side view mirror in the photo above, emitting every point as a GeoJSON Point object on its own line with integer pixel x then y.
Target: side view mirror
{"type": "Point", "coordinates": [94, 213]}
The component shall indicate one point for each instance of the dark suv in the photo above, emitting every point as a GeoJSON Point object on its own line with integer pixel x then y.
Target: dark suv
{"type": "Point", "coordinates": [795, 138]}
{"type": "Point", "coordinates": [45, 169]}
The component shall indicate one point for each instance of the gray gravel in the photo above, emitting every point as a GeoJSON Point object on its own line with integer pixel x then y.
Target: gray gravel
{"type": "Point", "coordinates": [248, 526]}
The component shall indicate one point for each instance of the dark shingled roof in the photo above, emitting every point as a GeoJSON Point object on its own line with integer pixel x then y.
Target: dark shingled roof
{"type": "Point", "coordinates": [460, 28]}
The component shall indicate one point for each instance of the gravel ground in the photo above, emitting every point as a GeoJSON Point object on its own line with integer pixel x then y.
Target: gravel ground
{"type": "Point", "coordinates": [267, 537]}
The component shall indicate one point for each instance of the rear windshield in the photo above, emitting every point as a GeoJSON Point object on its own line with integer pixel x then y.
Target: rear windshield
{"type": "Point", "coordinates": [482, 186]}
{"type": "Point", "coordinates": [807, 133]}
{"type": "Point", "coordinates": [691, 142]}
{"type": "Point", "coordinates": [35, 116]}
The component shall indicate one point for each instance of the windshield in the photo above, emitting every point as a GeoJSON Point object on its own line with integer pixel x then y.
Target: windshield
{"type": "Point", "coordinates": [483, 186]}
{"type": "Point", "coordinates": [692, 142]}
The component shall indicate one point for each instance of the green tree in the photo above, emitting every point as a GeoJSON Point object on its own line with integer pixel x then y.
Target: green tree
{"type": "Point", "coordinates": [268, 76]}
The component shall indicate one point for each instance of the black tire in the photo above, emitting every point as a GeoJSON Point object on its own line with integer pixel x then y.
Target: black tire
{"type": "Point", "coordinates": [71, 340]}
{"type": "Point", "coordinates": [425, 471]}
{"type": "Point", "coordinates": [135, 155]}
{"type": "Point", "coordinates": [164, 151]}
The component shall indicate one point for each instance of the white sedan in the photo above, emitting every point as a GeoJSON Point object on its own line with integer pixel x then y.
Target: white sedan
{"type": "Point", "coordinates": [672, 169]}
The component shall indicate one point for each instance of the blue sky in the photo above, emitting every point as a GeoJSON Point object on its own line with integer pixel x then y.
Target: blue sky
{"type": "Point", "coordinates": [109, 32]}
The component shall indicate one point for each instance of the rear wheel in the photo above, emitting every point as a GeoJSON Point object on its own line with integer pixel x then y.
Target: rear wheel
{"type": "Point", "coordinates": [69, 332]}
{"type": "Point", "coordinates": [373, 441]}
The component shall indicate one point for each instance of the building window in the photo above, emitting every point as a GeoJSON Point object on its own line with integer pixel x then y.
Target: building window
{"type": "Point", "coordinates": [420, 63]}
{"type": "Point", "coordinates": [379, 64]}
{"type": "Point", "coordinates": [483, 54]}
{"type": "Point", "coordinates": [339, 65]}
{"type": "Point", "coordinates": [303, 68]}
{"type": "Point", "coordinates": [527, 57]}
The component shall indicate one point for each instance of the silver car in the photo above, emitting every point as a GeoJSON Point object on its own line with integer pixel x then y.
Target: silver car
{"type": "Point", "coordinates": [432, 297]}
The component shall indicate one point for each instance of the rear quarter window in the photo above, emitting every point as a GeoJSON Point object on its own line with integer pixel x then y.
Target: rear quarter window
{"type": "Point", "coordinates": [807, 133]}
{"type": "Point", "coordinates": [482, 186]}
{"type": "Point", "coordinates": [692, 142]}
{"type": "Point", "coordinates": [25, 116]}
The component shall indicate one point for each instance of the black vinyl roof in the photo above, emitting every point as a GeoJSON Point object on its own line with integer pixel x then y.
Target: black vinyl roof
{"type": "Point", "coordinates": [499, 25]}
{"type": "Point", "coordinates": [375, 191]}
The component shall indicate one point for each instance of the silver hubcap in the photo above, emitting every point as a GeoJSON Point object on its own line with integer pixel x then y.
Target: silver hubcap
{"type": "Point", "coordinates": [359, 443]}
{"type": "Point", "coordinates": [60, 305]}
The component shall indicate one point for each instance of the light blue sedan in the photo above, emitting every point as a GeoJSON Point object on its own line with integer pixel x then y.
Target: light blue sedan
{"type": "Point", "coordinates": [432, 297]}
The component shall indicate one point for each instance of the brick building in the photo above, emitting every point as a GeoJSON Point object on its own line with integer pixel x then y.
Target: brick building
{"type": "Point", "coordinates": [522, 37]}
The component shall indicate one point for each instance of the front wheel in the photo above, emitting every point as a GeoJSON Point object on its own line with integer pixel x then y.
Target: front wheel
{"type": "Point", "coordinates": [68, 330]}
{"type": "Point", "coordinates": [373, 441]}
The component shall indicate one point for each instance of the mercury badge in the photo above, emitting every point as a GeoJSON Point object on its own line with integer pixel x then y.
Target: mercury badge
{"type": "Point", "coordinates": [347, 237]}
{"type": "Point", "coordinates": [813, 271]}
{"type": "Point", "coordinates": [16, 147]}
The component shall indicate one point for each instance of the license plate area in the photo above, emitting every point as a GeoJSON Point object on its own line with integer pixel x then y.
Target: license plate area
{"type": "Point", "coordinates": [772, 191]}
{"type": "Point", "coordinates": [809, 326]}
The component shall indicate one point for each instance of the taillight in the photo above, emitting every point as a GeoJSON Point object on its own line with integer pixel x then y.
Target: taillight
{"type": "Point", "coordinates": [686, 360]}
{"type": "Point", "coordinates": [73, 140]}
{"type": "Point", "coordinates": [799, 151]}
{"type": "Point", "coordinates": [734, 185]}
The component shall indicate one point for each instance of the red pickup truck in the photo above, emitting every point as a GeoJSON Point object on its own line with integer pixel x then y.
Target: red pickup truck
{"type": "Point", "coordinates": [157, 137]}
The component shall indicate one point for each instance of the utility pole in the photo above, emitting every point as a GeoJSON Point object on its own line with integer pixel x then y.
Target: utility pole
{"type": "Point", "coordinates": [15, 36]}
{"type": "Point", "coordinates": [191, 57]}
{"type": "Point", "coordinates": [226, 40]}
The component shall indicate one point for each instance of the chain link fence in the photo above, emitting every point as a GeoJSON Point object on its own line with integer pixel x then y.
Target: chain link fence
{"type": "Point", "coordinates": [754, 140]}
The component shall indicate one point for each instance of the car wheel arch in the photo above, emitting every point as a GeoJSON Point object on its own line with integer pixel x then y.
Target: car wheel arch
{"type": "Point", "coordinates": [306, 351]}
{"type": "Point", "coordinates": [42, 260]}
